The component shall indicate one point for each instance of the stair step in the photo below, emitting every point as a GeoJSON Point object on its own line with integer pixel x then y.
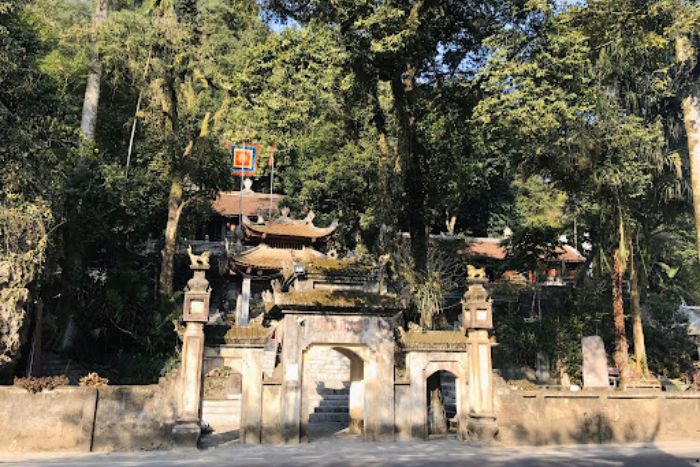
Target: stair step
{"type": "Point", "coordinates": [331, 409]}
{"type": "Point", "coordinates": [331, 396]}
{"type": "Point", "coordinates": [332, 390]}
{"type": "Point", "coordinates": [329, 417]}
{"type": "Point", "coordinates": [332, 404]}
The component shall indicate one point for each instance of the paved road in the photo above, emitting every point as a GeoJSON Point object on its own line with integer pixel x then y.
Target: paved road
{"type": "Point", "coordinates": [447, 452]}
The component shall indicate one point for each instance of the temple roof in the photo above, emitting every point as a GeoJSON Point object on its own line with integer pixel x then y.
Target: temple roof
{"type": "Point", "coordinates": [228, 203]}
{"type": "Point", "coordinates": [264, 257]}
{"type": "Point", "coordinates": [477, 247]}
{"type": "Point", "coordinates": [285, 226]}
{"type": "Point", "coordinates": [433, 340]}
{"type": "Point", "coordinates": [336, 300]}
{"type": "Point", "coordinates": [497, 249]}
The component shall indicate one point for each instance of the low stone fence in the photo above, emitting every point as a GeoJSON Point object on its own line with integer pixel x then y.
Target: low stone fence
{"type": "Point", "coordinates": [544, 417]}
{"type": "Point", "coordinates": [87, 419]}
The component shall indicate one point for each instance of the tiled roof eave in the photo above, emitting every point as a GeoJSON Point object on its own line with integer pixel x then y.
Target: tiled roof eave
{"type": "Point", "coordinates": [296, 308]}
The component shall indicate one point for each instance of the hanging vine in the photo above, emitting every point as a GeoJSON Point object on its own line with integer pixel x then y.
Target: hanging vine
{"type": "Point", "coordinates": [23, 241]}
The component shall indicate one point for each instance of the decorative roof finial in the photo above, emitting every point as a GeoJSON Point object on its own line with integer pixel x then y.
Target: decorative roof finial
{"type": "Point", "coordinates": [309, 219]}
{"type": "Point", "coordinates": [248, 186]}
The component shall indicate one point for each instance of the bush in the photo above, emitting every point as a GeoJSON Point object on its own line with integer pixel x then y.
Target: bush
{"type": "Point", "coordinates": [94, 380]}
{"type": "Point", "coordinates": [34, 385]}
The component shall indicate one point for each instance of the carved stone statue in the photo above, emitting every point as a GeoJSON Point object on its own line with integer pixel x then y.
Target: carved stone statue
{"type": "Point", "coordinates": [198, 261]}
{"type": "Point", "coordinates": [413, 327]}
{"type": "Point", "coordinates": [475, 273]}
{"type": "Point", "coordinates": [450, 224]}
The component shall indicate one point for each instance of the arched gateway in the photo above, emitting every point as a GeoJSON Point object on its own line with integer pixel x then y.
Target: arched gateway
{"type": "Point", "coordinates": [321, 306]}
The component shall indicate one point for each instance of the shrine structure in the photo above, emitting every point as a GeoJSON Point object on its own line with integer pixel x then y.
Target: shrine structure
{"type": "Point", "coordinates": [317, 343]}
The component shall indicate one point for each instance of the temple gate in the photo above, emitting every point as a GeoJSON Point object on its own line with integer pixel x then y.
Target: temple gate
{"type": "Point", "coordinates": [316, 303]}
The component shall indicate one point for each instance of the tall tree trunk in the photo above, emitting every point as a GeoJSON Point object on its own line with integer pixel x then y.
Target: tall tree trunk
{"type": "Point", "coordinates": [175, 207]}
{"type": "Point", "coordinates": [403, 89]}
{"type": "Point", "coordinates": [640, 351]}
{"type": "Point", "coordinates": [691, 119]}
{"type": "Point", "coordinates": [621, 355]}
{"type": "Point", "coordinates": [690, 105]}
{"type": "Point", "coordinates": [91, 100]}
{"type": "Point", "coordinates": [74, 256]}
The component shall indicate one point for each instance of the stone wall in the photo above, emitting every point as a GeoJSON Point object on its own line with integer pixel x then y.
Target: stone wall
{"type": "Point", "coordinates": [544, 417]}
{"type": "Point", "coordinates": [87, 419]}
{"type": "Point", "coordinates": [327, 365]}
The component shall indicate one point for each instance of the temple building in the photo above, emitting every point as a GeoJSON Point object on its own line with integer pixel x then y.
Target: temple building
{"type": "Point", "coordinates": [298, 344]}
{"type": "Point", "coordinates": [229, 207]}
{"type": "Point", "coordinates": [270, 248]}
{"type": "Point", "coordinates": [330, 352]}
{"type": "Point", "coordinates": [304, 344]}
{"type": "Point", "coordinates": [558, 265]}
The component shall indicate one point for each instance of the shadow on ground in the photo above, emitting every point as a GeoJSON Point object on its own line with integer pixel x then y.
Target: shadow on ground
{"type": "Point", "coordinates": [360, 454]}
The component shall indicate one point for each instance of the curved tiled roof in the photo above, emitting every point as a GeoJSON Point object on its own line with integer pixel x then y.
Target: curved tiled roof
{"type": "Point", "coordinates": [228, 203]}
{"type": "Point", "coordinates": [287, 227]}
{"type": "Point", "coordinates": [266, 257]}
{"type": "Point", "coordinates": [497, 249]}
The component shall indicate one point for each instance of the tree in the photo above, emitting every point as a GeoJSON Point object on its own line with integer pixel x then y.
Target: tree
{"type": "Point", "coordinates": [91, 100]}
{"type": "Point", "coordinates": [29, 159]}
{"type": "Point", "coordinates": [551, 93]}
{"type": "Point", "coordinates": [185, 94]}
{"type": "Point", "coordinates": [686, 57]}
{"type": "Point", "coordinates": [416, 49]}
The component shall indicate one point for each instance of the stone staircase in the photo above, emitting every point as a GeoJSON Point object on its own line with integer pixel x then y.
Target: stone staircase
{"type": "Point", "coordinates": [54, 364]}
{"type": "Point", "coordinates": [330, 416]}
{"type": "Point", "coordinates": [449, 397]}
{"type": "Point", "coordinates": [222, 415]}
{"type": "Point", "coordinates": [332, 407]}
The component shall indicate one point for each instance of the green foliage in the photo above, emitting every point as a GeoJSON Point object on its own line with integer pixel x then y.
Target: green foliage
{"type": "Point", "coordinates": [539, 204]}
{"type": "Point", "coordinates": [387, 116]}
{"type": "Point", "coordinates": [425, 291]}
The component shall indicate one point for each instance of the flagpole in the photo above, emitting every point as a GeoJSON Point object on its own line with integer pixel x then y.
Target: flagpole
{"type": "Point", "coordinates": [272, 177]}
{"type": "Point", "coordinates": [240, 208]}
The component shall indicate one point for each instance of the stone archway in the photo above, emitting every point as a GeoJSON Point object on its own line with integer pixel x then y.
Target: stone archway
{"type": "Point", "coordinates": [457, 369]}
{"type": "Point", "coordinates": [333, 390]}
{"type": "Point", "coordinates": [442, 402]}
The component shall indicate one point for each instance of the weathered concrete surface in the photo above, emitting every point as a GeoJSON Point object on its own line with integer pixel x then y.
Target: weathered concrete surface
{"type": "Point", "coordinates": [446, 452]}
{"type": "Point", "coordinates": [83, 419]}
{"type": "Point", "coordinates": [541, 417]}
{"type": "Point", "coordinates": [58, 420]}
{"type": "Point", "coordinates": [133, 417]}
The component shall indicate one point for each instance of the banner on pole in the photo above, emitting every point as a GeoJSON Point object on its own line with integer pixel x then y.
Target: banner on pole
{"type": "Point", "coordinates": [243, 160]}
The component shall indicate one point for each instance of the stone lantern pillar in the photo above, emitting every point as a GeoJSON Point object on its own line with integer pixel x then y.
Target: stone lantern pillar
{"type": "Point", "coordinates": [477, 319]}
{"type": "Point", "coordinates": [195, 312]}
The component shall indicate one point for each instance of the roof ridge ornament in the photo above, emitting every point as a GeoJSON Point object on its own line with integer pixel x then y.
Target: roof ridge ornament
{"type": "Point", "coordinates": [261, 215]}
{"type": "Point", "coordinates": [284, 215]}
{"type": "Point", "coordinates": [248, 187]}
{"type": "Point", "coordinates": [309, 219]}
